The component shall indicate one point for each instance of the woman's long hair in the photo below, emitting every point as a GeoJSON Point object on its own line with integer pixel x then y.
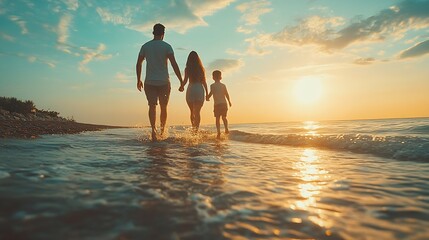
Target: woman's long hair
{"type": "Point", "coordinates": [195, 68]}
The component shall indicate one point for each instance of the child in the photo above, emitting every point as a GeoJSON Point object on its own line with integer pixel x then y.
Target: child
{"type": "Point", "coordinates": [219, 92]}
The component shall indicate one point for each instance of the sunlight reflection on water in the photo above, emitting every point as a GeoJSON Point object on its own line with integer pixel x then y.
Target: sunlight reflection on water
{"type": "Point", "coordinates": [314, 180]}
{"type": "Point", "coordinates": [311, 128]}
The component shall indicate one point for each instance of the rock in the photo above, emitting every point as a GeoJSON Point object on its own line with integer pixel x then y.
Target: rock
{"type": "Point", "coordinates": [3, 112]}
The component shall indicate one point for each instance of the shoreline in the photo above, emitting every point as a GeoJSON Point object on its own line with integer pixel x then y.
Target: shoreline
{"type": "Point", "coordinates": [30, 129]}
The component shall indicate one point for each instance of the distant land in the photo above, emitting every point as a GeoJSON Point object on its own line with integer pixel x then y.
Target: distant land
{"type": "Point", "coordinates": [21, 119]}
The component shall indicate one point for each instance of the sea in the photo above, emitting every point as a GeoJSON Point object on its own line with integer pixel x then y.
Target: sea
{"type": "Point", "coordinates": [361, 179]}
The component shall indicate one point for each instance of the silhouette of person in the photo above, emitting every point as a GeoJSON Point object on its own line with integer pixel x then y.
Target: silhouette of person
{"type": "Point", "coordinates": [157, 83]}
{"type": "Point", "coordinates": [195, 73]}
{"type": "Point", "coordinates": [220, 95]}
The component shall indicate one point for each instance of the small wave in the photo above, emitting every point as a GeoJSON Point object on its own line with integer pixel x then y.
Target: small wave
{"type": "Point", "coordinates": [424, 129]}
{"type": "Point", "coordinates": [4, 174]}
{"type": "Point", "coordinates": [395, 147]}
{"type": "Point", "coordinates": [180, 135]}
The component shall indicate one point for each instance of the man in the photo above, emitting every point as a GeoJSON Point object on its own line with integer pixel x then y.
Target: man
{"type": "Point", "coordinates": [157, 83]}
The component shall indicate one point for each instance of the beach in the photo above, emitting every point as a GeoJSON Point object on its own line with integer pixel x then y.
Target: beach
{"type": "Point", "coordinates": [35, 128]}
{"type": "Point", "coordinates": [262, 181]}
{"type": "Point", "coordinates": [32, 125]}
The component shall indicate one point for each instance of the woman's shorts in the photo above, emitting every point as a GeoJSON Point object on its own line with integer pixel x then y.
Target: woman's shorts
{"type": "Point", "coordinates": [195, 93]}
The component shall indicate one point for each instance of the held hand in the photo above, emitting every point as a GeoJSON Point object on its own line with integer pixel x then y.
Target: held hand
{"type": "Point", "coordinates": [207, 98]}
{"type": "Point", "coordinates": [181, 88]}
{"type": "Point", "coordinates": [139, 85]}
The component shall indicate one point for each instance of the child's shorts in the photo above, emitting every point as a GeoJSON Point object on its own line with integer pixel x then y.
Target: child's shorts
{"type": "Point", "coordinates": [220, 109]}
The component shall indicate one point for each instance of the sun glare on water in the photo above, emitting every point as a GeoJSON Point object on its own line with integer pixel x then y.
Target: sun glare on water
{"type": "Point", "coordinates": [308, 90]}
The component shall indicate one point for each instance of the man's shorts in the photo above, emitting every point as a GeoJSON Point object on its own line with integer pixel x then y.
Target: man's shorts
{"type": "Point", "coordinates": [153, 93]}
{"type": "Point", "coordinates": [220, 109]}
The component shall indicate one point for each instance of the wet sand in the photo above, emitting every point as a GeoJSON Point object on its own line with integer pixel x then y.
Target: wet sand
{"type": "Point", "coordinates": [35, 128]}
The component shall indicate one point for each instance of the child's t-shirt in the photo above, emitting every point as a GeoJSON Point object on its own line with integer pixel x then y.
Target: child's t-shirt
{"type": "Point", "coordinates": [219, 92]}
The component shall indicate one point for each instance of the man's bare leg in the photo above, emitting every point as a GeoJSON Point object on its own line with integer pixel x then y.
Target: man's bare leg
{"type": "Point", "coordinates": [152, 119]}
{"type": "Point", "coordinates": [163, 117]}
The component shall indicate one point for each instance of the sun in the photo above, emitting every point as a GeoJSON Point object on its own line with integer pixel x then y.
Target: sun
{"type": "Point", "coordinates": [308, 90]}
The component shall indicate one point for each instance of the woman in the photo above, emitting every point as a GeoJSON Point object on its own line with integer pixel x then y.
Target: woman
{"type": "Point", "coordinates": [195, 73]}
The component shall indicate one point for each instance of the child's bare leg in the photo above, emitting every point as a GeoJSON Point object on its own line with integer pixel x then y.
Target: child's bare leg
{"type": "Point", "coordinates": [225, 123]}
{"type": "Point", "coordinates": [218, 126]}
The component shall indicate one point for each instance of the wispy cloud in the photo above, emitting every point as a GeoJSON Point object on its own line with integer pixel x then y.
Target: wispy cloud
{"type": "Point", "coordinates": [91, 55]}
{"type": "Point", "coordinates": [417, 50]}
{"type": "Point", "coordinates": [256, 46]}
{"type": "Point", "coordinates": [21, 23]}
{"type": "Point", "coordinates": [7, 37]}
{"type": "Point", "coordinates": [109, 17]}
{"type": "Point", "coordinates": [30, 58]}
{"type": "Point", "coordinates": [123, 78]}
{"type": "Point", "coordinates": [177, 15]}
{"type": "Point", "coordinates": [62, 31]}
{"type": "Point", "coordinates": [253, 10]}
{"type": "Point", "coordinates": [33, 59]}
{"type": "Point", "coordinates": [226, 65]}
{"type": "Point", "coordinates": [393, 22]}
{"type": "Point", "coordinates": [64, 45]}
{"type": "Point", "coordinates": [331, 34]}
{"type": "Point", "coordinates": [312, 30]}
{"type": "Point", "coordinates": [72, 4]}
{"type": "Point", "coordinates": [364, 61]}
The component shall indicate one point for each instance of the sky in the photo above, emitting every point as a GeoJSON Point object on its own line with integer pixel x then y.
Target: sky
{"type": "Point", "coordinates": [282, 60]}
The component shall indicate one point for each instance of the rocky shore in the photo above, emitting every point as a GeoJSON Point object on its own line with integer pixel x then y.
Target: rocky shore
{"type": "Point", "coordinates": [32, 125]}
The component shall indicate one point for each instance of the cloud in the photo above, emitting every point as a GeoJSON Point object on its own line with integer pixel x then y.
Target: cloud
{"type": "Point", "coordinates": [7, 37]}
{"type": "Point", "coordinates": [226, 65]}
{"type": "Point", "coordinates": [123, 78]}
{"type": "Point", "coordinates": [62, 31]}
{"type": "Point", "coordinates": [244, 30]}
{"type": "Point", "coordinates": [72, 4]}
{"type": "Point", "coordinates": [33, 59]}
{"type": "Point", "coordinates": [253, 10]}
{"type": "Point", "coordinates": [107, 16]}
{"type": "Point", "coordinates": [364, 61]}
{"type": "Point", "coordinates": [312, 30]}
{"type": "Point", "coordinates": [417, 50]}
{"type": "Point", "coordinates": [176, 15]}
{"type": "Point", "coordinates": [91, 55]}
{"type": "Point", "coordinates": [326, 32]}
{"type": "Point", "coordinates": [21, 23]}
{"type": "Point", "coordinates": [256, 46]}
{"type": "Point", "coordinates": [64, 45]}
{"type": "Point", "coordinates": [30, 58]}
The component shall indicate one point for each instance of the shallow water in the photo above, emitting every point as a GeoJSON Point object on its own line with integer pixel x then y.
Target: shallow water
{"type": "Point", "coordinates": [115, 184]}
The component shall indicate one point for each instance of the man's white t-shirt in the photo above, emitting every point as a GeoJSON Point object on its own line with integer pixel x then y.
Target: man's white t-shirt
{"type": "Point", "coordinates": [156, 54]}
